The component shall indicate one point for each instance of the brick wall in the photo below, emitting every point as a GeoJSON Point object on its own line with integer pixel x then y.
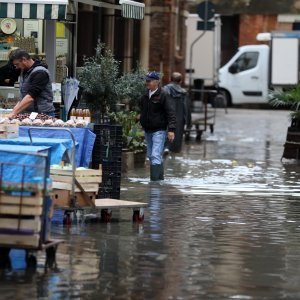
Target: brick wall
{"type": "Point", "coordinates": [251, 25]}
{"type": "Point", "coordinates": [163, 53]}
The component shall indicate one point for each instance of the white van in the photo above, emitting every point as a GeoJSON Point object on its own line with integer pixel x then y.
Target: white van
{"type": "Point", "coordinates": [255, 69]}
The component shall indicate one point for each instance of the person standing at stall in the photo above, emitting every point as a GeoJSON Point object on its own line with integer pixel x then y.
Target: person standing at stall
{"type": "Point", "coordinates": [8, 73]}
{"type": "Point", "coordinates": [158, 120]}
{"type": "Point", "coordinates": [35, 85]}
{"type": "Point", "coordinates": [180, 101]}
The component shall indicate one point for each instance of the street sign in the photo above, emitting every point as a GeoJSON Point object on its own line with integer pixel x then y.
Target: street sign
{"type": "Point", "coordinates": [205, 25]}
{"type": "Point", "coordinates": [206, 10]}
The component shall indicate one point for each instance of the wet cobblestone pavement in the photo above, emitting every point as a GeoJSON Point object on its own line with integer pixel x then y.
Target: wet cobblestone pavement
{"type": "Point", "coordinates": [225, 224]}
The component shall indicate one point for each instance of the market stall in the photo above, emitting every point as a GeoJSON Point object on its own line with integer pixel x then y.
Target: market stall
{"type": "Point", "coordinates": [58, 147]}
{"type": "Point", "coordinates": [84, 137]}
{"type": "Point", "coordinates": [25, 203]}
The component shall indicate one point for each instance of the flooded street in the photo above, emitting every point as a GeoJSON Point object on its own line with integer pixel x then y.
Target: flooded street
{"type": "Point", "coordinates": [225, 224]}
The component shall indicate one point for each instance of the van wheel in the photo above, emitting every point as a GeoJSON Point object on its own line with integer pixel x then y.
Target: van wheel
{"type": "Point", "coordinates": [224, 99]}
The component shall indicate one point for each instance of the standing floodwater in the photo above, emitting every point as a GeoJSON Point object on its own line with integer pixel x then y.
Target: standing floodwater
{"type": "Point", "coordinates": [225, 224]}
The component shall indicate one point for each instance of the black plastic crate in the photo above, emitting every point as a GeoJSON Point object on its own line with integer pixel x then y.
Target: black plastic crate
{"type": "Point", "coordinates": [107, 152]}
{"type": "Point", "coordinates": [113, 161]}
{"type": "Point", "coordinates": [111, 172]}
{"type": "Point", "coordinates": [111, 141]}
{"type": "Point", "coordinates": [109, 193]}
{"type": "Point", "coordinates": [106, 130]}
{"type": "Point", "coordinates": [108, 148]}
{"type": "Point", "coordinates": [111, 181]}
{"type": "Point", "coordinates": [112, 168]}
{"type": "Point", "coordinates": [111, 196]}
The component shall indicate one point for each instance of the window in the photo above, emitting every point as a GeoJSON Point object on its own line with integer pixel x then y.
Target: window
{"type": "Point", "coordinates": [246, 61]}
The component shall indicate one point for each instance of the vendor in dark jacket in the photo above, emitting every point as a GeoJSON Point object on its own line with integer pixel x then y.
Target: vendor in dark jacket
{"type": "Point", "coordinates": [8, 74]}
{"type": "Point", "coordinates": [158, 120]}
{"type": "Point", "coordinates": [35, 85]}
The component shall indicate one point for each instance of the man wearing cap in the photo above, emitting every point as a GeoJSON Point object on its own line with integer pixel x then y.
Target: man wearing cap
{"type": "Point", "coordinates": [158, 120]}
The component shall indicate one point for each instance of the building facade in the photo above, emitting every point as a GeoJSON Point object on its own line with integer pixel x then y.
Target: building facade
{"type": "Point", "coordinates": [156, 43]}
{"type": "Point", "coordinates": [242, 20]}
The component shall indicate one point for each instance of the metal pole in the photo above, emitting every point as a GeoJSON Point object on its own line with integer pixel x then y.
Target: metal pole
{"type": "Point", "coordinates": [217, 48]}
{"type": "Point", "coordinates": [75, 41]}
{"type": "Point", "coordinates": [194, 42]}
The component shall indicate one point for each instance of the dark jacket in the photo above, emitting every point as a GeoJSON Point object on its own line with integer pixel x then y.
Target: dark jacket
{"type": "Point", "coordinates": [181, 101]}
{"type": "Point", "coordinates": [9, 72]}
{"type": "Point", "coordinates": [36, 82]}
{"type": "Point", "coordinates": [157, 113]}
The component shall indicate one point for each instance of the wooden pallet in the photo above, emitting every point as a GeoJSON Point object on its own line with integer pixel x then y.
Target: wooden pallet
{"type": "Point", "coordinates": [115, 203]}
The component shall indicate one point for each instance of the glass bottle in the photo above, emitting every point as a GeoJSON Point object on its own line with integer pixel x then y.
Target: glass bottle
{"type": "Point", "coordinates": [73, 114]}
{"type": "Point", "coordinates": [87, 117]}
{"type": "Point", "coordinates": [79, 114]}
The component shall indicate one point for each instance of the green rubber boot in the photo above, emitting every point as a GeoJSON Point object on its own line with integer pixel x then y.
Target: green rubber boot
{"type": "Point", "coordinates": [161, 172]}
{"type": "Point", "coordinates": [155, 171]}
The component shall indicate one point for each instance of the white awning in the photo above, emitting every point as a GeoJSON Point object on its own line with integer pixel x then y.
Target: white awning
{"type": "Point", "coordinates": [132, 9]}
{"type": "Point", "coordinates": [34, 9]}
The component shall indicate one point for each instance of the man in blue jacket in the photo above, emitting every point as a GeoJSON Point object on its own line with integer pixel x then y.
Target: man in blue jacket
{"type": "Point", "coordinates": [158, 120]}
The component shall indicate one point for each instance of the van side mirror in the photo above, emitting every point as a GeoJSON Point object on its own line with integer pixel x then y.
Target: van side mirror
{"type": "Point", "coordinates": [233, 69]}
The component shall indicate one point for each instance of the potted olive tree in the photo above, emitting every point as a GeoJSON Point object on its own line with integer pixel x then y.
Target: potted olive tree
{"type": "Point", "coordinates": [130, 88]}
{"type": "Point", "coordinates": [289, 99]}
{"type": "Point", "coordinates": [134, 146]}
{"type": "Point", "coordinates": [98, 78]}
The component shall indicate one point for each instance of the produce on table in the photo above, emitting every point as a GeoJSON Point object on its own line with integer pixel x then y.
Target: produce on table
{"type": "Point", "coordinates": [43, 120]}
{"type": "Point", "coordinates": [42, 117]}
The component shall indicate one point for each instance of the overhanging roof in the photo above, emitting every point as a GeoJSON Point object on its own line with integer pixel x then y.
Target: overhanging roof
{"type": "Point", "coordinates": [34, 9]}
{"type": "Point", "coordinates": [130, 9]}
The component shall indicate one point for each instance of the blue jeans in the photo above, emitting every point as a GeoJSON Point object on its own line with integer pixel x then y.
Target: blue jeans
{"type": "Point", "coordinates": [155, 146]}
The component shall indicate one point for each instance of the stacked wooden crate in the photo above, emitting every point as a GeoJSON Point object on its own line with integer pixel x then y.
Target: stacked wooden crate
{"type": "Point", "coordinates": [89, 180]}
{"type": "Point", "coordinates": [20, 219]}
{"type": "Point", "coordinates": [9, 131]}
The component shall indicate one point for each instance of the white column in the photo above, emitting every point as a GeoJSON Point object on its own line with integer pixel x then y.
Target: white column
{"type": "Point", "coordinates": [109, 29]}
{"type": "Point", "coordinates": [128, 45]}
{"type": "Point", "coordinates": [50, 46]}
{"type": "Point", "coordinates": [145, 37]}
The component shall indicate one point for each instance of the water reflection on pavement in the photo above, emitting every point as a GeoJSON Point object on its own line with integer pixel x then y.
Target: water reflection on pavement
{"type": "Point", "coordinates": [225, 224]}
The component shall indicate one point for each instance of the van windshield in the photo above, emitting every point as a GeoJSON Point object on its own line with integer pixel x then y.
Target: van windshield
{"type": "Point", "coordinates": [246, 61]}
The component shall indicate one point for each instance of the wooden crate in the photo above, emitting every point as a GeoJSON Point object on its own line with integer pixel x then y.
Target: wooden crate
{"type": "Point", "coordinates": [19, 240]}
{"type": "Point", "coordinates": [20, 220]}
{"type": "Point", "coordinates": [61, 198]}
{"type": "Point", "coordinates": [89, 179]}
{"type": "Point", "coordinates": [9, 131]}
{"type": "Point", "coordinates": [21, 206]}
{"type": "Point", "coordinates": [33, 224]}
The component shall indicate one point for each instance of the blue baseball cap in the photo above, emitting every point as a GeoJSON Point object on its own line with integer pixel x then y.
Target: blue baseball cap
{"type": "Point", "coordinates": [152, 76]}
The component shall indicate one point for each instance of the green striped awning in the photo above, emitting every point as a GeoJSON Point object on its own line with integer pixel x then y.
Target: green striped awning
{"type": "Point", "coordinates": [35, 9]}
{"type": "Point", "coordinates": [132, 9]}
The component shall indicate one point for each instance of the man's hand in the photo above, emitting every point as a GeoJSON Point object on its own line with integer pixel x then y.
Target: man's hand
{"type": "Point", "coordinates": [11, 116]}
{"type": "Point", "coordinates": [171, 136]}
